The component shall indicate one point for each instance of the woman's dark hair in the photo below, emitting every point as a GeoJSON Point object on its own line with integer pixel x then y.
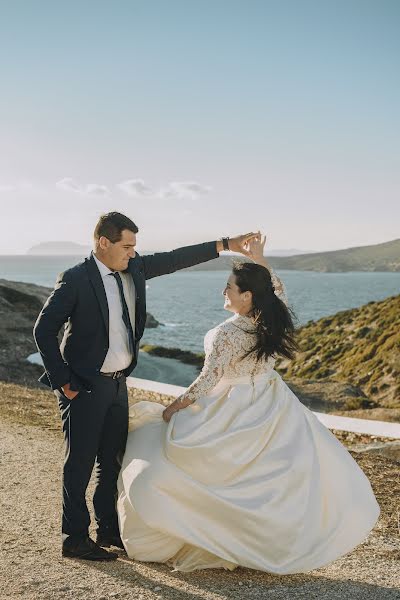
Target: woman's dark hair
{"type": "Point", "coordinates": [111, 226]}
{"type": "Point", "coordinates": [275, 331]}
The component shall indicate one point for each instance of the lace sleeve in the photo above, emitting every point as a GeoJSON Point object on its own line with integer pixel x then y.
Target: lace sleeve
{"type": "Point", "coordinates": [280, 289]}
{"type": "Point", "coordinates": [217, 358]}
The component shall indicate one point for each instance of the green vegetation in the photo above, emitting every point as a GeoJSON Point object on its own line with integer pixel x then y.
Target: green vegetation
{"type": "Point", "coordinates": [359, 346]}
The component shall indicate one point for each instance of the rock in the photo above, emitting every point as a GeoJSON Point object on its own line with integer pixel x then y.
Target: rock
{"type": "Point", "coordinates": [184, 356]}
{"type": "Point", "coordinates": [388, 449]}
{"type": "Point", "coordinates": [151, 322]}
{"type": "Point", "coordinates": [20, 305]}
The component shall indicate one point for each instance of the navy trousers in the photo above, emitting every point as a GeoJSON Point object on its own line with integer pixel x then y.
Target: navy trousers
{"type": "Point", "coordinates": [95, 427]}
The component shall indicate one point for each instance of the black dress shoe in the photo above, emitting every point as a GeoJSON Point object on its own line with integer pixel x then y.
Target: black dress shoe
{"type": "Point", "coordinates": [107, 539]}
{"type": "Point", "coordinates": [88, 550]}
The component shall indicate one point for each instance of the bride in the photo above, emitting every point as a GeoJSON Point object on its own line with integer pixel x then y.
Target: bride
{"type": "Point", "coordinates": [237, 471]}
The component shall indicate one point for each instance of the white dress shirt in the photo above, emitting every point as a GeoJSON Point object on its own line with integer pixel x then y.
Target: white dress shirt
{"type": "Point", "coordinates": [118, 356]}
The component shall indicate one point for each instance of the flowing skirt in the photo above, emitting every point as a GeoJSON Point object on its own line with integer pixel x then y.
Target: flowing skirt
{"type": "Point", "coordinates": [245, 476]}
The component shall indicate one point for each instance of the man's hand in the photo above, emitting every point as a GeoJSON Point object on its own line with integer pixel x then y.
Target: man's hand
{"type": "Point", "coordinates": [239, 243]}
{"type": "Point", "coordinates": [68, 392]}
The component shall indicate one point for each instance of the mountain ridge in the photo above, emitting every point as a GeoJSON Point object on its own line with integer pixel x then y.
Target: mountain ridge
{"type": "Point", "coordinates": [384, 257]}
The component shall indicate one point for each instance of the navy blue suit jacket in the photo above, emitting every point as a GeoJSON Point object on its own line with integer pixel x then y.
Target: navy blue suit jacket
{"type": "Point", "coordinates": [79, 301]}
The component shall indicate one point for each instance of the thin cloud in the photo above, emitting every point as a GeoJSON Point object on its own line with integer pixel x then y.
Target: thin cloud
{"type": "Point", "coordinates": [138, 189]}
{"type": "Point", "coordinates": [184, 189]}
{"type": "Point", "coordinates": [135, 187]}
{"type": "Point", "coordinates": [22, 186]}
{"type": "Point", "coordinates": [69, 185]}
{"type": "Point", "coordinates": [92, 189]}
{"type": "Point", "coordinates": [96, 189]}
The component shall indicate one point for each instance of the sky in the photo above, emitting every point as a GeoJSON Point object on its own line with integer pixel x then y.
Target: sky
{"type": "Point", "coordinates": [199, 119]}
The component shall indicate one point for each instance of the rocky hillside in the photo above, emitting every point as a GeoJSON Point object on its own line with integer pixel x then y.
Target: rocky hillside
{"type": "Point", "coordinates": [358, 347]}
{"type": "Point", "coordinates": [20, 304]}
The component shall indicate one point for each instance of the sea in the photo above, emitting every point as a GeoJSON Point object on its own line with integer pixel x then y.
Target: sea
{"type": "Point", "coordinates": [189, 303]}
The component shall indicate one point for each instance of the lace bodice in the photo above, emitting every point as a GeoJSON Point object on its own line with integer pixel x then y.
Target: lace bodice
{"type": "Point", "coordinates": [225, 346]}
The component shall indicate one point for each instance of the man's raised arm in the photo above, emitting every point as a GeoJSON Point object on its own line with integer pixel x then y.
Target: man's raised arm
{"type": "Point", "coordinates": [162, 263]}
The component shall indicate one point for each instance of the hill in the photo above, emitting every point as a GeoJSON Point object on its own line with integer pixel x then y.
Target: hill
{"type": "Point", "coordinates": [359, 347]}
{"type": "Point", "coordinates": [379, 257]}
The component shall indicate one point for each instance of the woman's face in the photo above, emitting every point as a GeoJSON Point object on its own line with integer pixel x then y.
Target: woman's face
{"type": "Point", "coordinates": [235, 301]}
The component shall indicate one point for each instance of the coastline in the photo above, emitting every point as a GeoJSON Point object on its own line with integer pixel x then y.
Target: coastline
{"type": "Point", "coordinates": [338, 370]}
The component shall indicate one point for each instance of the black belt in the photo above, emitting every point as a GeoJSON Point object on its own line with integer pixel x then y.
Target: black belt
{"type": "Point", "coordinates": [114, 374]}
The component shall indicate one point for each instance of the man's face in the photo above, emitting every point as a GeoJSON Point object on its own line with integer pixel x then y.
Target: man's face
{"type": "Point", "coordinates": [117, 254]}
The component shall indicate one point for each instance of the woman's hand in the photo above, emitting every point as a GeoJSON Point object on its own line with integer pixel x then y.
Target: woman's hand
{"type": "Point", "coordinates": [240, 243]}
{"type": "Point", "coordinates": [255, 248]}
{"type": "Point", "coordinates": [176, 405]}
{"type": "Point", "coordinates": [169, 411]}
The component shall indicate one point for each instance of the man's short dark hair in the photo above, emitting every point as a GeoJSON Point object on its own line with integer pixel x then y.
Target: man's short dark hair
{"type": "Point", "coordinates": [111, 226]}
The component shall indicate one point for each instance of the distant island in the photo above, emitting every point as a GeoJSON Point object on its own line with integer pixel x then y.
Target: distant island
{"type": "Point", "coordinates": [379, 257]}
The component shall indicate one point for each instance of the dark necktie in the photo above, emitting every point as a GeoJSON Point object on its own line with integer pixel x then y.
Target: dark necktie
{"type": "Point", "coordinates": [125, 312]}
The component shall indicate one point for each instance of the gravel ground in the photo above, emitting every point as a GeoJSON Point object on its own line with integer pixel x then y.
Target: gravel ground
{"type": "Point", "coordinates": [31, 566]}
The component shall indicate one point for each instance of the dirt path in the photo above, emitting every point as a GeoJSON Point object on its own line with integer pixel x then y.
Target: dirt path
{"type": "Point", "coordinates": [31, 566]}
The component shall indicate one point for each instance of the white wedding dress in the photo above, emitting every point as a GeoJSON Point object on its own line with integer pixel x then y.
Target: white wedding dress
{"type": "Point", "coordinates": [247, 475]}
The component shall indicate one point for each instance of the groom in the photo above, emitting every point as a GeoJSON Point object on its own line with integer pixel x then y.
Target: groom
{"type": "Point", "coordinates": [102, 303]}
